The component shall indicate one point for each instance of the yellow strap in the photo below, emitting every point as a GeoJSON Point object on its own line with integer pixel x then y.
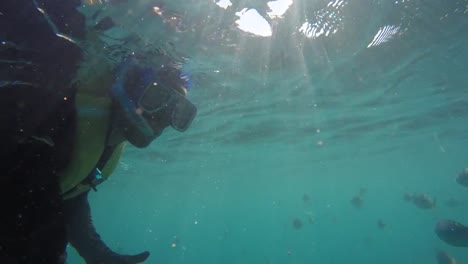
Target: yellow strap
{"type": "Point", "coordinates": [93, 120]}
{"type": "Point", "coordinates": [106, 173]}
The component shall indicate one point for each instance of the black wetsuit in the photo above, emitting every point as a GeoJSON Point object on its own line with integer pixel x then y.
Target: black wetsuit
{"type": "Point", "coordinates": [37, 126]}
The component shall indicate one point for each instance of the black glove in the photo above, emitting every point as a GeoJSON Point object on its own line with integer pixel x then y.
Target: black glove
{"type": "Point", "coordinates": [84, 238]}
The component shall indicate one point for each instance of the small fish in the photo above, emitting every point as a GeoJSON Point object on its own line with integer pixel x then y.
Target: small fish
{"type": "Point", "coordinates": [297, 224]}
{"type": "Point", "coordinates": [462, 177]}
{"type": "Point", "coordinates": [357, 201]}
{"type": "Point", "coordinates": [423, 201]}
{"type": "Point", "coordinates": [381, 224]}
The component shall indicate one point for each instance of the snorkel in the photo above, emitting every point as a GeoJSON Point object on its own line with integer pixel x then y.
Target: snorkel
{"type": "Point", "coordinates": [133, 125]}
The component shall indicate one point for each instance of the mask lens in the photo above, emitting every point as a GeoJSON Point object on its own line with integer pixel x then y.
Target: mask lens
{"type": "Point", "coordinates": [183, 114]}
{"type": "Point", "coordinates": [155, 98]}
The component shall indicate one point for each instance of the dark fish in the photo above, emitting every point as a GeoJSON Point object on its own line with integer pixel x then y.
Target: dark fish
{"type": "Point", "coordinates": [462, 177]}
{"type": "Point", "coordinates": [381, 224]}
{"type": "Point", "coordinates": [357, 201]}
{"type": "Point", "coordinates": [424, 201]}
{"type": "Point", "coordinates": [452, 233]}
{"type": "Point", "coordinates": [297, 224]}
{"type": "Point", "coordinates": [444, 258]}
{"type": "Point", "coordinates": [306, 198]}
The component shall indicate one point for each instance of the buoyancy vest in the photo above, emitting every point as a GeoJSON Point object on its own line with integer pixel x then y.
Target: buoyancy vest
{"type": "Point", "coordinates": [93, 161]}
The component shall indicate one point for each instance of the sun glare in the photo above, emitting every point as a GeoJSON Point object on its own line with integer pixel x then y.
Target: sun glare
{"type": "Point", "coordinates": [252, 22]}
{"type": "Point", "coordinates": [224, 3]}
{"type": "Point", "coordinates": [278, 8]}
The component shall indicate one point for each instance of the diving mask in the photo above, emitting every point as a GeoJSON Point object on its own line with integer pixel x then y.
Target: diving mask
{"type": "Point", "coordinates": [158, 97]}
{"type": "Point", "coordinates": [151, 98]}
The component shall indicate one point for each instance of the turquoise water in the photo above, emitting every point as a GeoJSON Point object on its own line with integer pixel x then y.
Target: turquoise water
{"type": "Point", "coordinates": [293, 127]}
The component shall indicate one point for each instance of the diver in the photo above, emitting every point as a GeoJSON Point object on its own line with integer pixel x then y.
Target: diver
{"type": "Point", "coordinates": [64, 125]}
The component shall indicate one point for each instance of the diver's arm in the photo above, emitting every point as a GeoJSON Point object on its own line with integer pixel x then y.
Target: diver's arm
{"type": "Point", "coordinates": [84, 238]}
